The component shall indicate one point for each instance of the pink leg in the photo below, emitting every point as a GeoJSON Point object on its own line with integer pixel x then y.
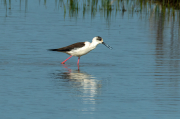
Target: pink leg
{"type": "Point", "coordinates": [78, 60]}
{"type": "Point", "coordinates": [66, 60]}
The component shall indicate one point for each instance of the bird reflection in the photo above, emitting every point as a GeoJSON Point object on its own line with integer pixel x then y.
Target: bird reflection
{"type": "Point", "coordinates": [85, 85]}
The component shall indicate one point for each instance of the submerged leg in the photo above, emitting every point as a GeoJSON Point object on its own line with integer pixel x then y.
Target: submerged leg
{"type": "Point", "coordinates": [69, 70]}
{"type": "Point", "coordinates": [66, 60]}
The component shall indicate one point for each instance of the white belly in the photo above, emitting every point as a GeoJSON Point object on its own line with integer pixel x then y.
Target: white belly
{"type": "Point", "coordinates": [81, 51]}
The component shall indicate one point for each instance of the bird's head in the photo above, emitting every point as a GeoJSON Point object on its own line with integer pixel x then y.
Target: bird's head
{"type": "Point", "coordinates": [99, 40]}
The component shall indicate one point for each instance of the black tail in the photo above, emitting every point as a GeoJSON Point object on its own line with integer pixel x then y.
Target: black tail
{"type": "Point", "coordinates": [53, 49]}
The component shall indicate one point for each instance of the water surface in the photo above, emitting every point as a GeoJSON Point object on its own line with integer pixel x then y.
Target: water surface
{"type": "Point", "coordinates": [138, 79]}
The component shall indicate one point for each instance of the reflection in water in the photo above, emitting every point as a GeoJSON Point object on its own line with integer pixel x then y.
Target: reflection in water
{"type": "Point", "coordinates": [86, 86]}
{"type": "Point", "coordinates": [167, 73]}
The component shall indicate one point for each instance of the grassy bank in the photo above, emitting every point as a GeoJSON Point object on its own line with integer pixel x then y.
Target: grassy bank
{"type": "Point", "coordinates": [170, 3]}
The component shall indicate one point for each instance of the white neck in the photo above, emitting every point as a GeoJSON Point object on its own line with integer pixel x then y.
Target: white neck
{"type": "Point", "coordinates": [93, 44]}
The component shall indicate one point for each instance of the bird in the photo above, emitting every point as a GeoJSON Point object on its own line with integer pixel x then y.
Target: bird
{"type": "Point", "coordinates": [81, 48]}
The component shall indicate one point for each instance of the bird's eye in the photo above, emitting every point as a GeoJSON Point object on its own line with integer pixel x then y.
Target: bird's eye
{"type": "Point", "coordinates": [99, 38]}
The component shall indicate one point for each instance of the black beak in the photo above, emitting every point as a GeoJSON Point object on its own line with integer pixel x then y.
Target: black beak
{"type": "Point", "coordinates": [107, 45]}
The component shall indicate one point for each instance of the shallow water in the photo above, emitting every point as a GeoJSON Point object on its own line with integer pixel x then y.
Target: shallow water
{"type": "Point", "coordinates": [138, 79]}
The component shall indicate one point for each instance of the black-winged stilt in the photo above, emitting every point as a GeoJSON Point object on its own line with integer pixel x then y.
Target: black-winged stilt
{"type": "Point", "coordinates": [80, 48]}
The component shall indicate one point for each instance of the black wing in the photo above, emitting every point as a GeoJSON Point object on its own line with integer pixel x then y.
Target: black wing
{"type": "Point", "coordinates": [70, 47]}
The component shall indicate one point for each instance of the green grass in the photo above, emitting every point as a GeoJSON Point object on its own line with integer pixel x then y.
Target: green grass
{"type": "Point", "coordinates": [169, 3]}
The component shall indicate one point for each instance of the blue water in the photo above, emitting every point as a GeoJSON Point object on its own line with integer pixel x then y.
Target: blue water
{"type": "Point", "coordinates": [138, 79]}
